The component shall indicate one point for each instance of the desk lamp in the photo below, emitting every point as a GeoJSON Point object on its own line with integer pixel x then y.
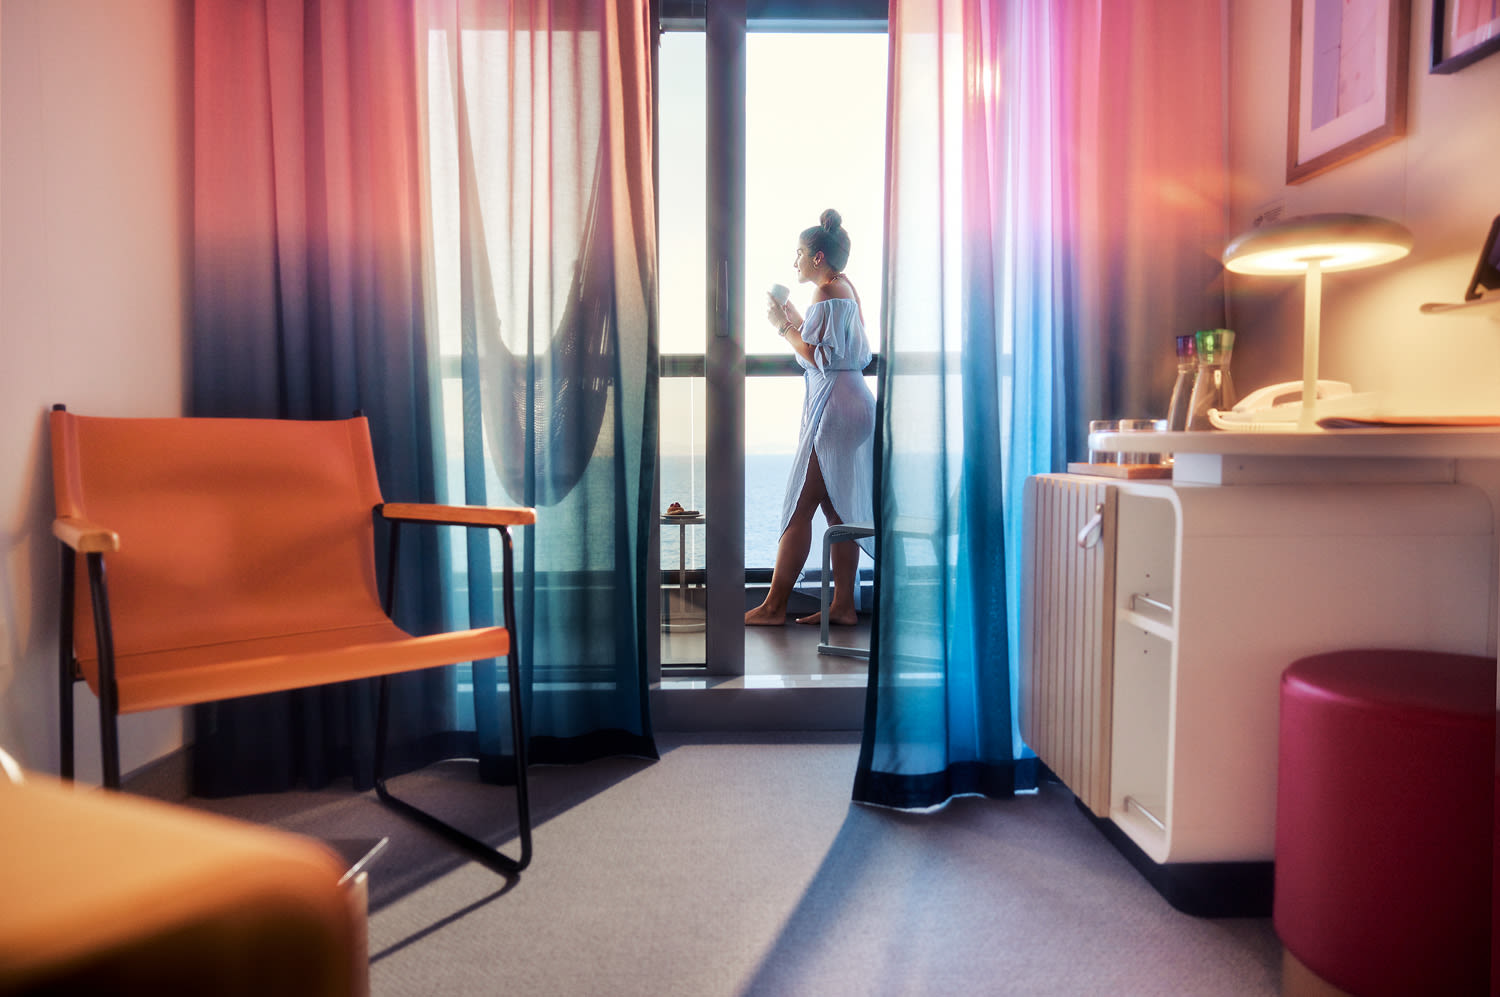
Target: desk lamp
{"type": "Point", "coordinates": [1314, 245]}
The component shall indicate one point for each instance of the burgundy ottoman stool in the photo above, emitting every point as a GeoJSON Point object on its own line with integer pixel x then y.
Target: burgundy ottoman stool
{"type": "Point", "coordinates": [1384, 821]}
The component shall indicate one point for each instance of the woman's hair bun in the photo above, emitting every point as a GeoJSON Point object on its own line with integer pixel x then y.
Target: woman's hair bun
{"type": "Point", "coordinates": [829, 238]}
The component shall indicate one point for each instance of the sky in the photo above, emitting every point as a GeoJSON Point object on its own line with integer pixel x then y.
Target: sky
{"type": "Point", "coordinates": [815, 139]}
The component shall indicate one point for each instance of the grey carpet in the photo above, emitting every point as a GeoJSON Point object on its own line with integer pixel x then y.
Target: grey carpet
{"type": "Point", "coordinates": [738, 866]}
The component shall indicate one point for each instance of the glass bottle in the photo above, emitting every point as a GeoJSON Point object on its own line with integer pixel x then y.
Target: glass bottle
{"type": "Point", "coordinates": [1213, 388]}
{"type": "Point", "coordinates": [1182, 390]}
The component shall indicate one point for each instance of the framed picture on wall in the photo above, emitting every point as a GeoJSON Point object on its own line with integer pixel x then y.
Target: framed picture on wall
{"type": "Point", "coordinates": [1348, 81]}
{"type": "Point", "coordinates": [1463, 31]}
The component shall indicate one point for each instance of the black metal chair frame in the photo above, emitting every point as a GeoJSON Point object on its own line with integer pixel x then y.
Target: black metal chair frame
{"type": "Point", "coordinates": [481, 851]}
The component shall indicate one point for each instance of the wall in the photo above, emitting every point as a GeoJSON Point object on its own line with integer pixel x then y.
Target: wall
{"type": "Point", "coordinates": [1440, 181]}
{"type": "Point", "coordinates": [95, 213]}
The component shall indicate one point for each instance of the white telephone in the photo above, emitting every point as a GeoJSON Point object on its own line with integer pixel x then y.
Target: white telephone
{"type": "Point", "coordinates": [1278, 407]}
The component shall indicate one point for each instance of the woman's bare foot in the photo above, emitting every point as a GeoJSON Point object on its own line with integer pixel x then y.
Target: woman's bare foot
{"type": "Point", "coordinates": [837, 619]}
{"type": "Point", "coordinates": [760, 616]}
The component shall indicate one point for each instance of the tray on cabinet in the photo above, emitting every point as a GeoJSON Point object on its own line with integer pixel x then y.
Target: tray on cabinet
{"type": "Point", "coordinates": [1132, 471]}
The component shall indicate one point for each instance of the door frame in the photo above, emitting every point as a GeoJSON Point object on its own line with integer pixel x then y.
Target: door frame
{"type": "Point", "coordinates": [724, 353]}
{"type": "Point", "coordinates": [724, 365]}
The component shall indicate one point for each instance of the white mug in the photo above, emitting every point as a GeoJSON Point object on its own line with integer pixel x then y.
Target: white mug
{"type": "Point", "coordinates": [779, 292]}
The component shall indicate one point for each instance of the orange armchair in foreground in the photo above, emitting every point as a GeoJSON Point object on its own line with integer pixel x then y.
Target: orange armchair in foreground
{"type": "Point", "coordinates": [107, 893]}
{"type": "Point", "coordinates": [241, 560]}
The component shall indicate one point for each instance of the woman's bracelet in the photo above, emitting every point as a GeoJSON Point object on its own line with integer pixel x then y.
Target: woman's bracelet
{"type": "Point", "coordinates": [787, 327]}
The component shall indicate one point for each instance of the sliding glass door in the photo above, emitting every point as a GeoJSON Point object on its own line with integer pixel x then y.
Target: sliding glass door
{"type": "Point", "coordinates": [815, 139]}
{"type": "Point", "coordinates": [765, 119]}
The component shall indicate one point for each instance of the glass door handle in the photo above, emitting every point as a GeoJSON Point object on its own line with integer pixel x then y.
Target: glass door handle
{"type": "Point", "coordinates": [721, 298]}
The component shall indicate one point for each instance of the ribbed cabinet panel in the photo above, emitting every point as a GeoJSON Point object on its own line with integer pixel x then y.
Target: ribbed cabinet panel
{"type": "Point", "coordinates": [1067, 632]}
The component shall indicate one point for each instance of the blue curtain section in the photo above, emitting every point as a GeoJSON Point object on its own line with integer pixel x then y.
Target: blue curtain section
{"type": "Point", "coordinates": [545, 244]}
{"type": "Point", "coordinates": [967, 409]}
{"type": "Point", "coordinates": [1024, 296]}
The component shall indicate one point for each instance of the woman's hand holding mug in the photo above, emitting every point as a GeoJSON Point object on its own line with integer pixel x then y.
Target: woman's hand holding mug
{"type": "Point", "coordinates": [780, 311]}
{"type": "Point", "coordinates": [774, 314]}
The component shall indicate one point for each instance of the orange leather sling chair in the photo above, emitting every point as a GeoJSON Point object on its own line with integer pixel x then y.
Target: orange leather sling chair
{"type": "Point", "coordinates": [241, 560]}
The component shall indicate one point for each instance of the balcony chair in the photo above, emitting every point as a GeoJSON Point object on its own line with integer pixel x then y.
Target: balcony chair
{"type": "Point", "coordinates": [903, 529]}
{"type": "Point", "coordinates": [241, 561]}
{"type": "Point", "coordinates": [835, 533]}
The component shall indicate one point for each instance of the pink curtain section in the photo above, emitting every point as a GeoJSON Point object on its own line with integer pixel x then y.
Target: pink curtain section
{"type": "Point", "coordinates": [1077, 147]}
{"type": "Point", "coordinates": [306, 201]}
{"type": "Point", "coordinates": [1143, 172]}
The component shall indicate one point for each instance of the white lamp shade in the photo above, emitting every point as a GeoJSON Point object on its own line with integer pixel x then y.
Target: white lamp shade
{"type": "Point", "coordinates": [1334, 241]}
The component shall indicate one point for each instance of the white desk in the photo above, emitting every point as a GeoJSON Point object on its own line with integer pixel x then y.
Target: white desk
{"type": "Point", "coordinates": [1207, 591]}
{"type": "Point", "coordinates": [1341, 456]}
{"type": "Point", "coordinates": [1344, 455]}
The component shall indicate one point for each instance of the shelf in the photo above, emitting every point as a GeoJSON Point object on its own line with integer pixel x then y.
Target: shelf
{"type": "Point", "coordinates": [1490, 302]}
{"type": "Point", "coordinates": [1145, 623]}
{"type": "Point", "coordinates": [1133, 804]}
{"type": "Point", "coordinates": [1142, 828]}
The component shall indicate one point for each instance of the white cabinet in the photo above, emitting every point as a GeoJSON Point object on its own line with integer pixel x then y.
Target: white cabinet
{"type": "Point", "coordinates": [1214, 591]}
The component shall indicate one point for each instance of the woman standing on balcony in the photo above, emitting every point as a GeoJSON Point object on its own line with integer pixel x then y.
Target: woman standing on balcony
{"type": "Point", "coordinates": [834, 464]}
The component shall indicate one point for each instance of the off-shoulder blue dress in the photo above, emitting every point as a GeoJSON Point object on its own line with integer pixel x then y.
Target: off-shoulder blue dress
{"type": "Point", "coordinates": [838, 414]}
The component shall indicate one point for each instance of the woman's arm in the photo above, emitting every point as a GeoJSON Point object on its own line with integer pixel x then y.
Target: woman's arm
{"type": "Point", "coordinates": [784, 316]}
{"type": "Point", "coordinates": [793, 335]}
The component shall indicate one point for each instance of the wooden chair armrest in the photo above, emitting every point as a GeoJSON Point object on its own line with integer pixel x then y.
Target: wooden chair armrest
{"type": "Point", "coordinates": [84, 536]}
{"type": "Point", "coordinates": [456, 515]}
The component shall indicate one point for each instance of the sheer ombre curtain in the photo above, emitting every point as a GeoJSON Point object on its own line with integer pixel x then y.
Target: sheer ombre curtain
{"type": "Point", "coordinates": [437, 213]}
{"type": "Point", "coordinates": [1056, 205]}
{"type": "Point", "coordinates": [541, 281]}
{"type": "Point", "coordinates": [308, 304]}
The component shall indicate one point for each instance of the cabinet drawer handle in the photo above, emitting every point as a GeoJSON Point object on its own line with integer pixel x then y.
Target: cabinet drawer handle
{"type": "Point", "coordinates": [1131, 803]}
{"type": "Point", "coordinates": [1093, 529]}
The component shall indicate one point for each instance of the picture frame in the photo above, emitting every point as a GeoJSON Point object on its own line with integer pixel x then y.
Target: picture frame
{"type": "Point", "coordinates": [1486, 279]}
{"type": "Point", "coordinates": [1347, 93]}
{"type": "Point", "coordinates": [1463, 32]}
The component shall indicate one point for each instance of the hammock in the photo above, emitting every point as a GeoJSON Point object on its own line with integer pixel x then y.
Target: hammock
{"type": "Point", "coordinates": [543, 413]}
